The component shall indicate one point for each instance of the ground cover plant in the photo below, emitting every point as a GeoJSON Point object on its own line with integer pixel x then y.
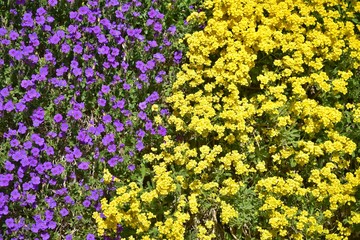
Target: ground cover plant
{"type": "Point", "coordinates": [82, 84]}
{"type": "Point", "coordinates": [121, 119]}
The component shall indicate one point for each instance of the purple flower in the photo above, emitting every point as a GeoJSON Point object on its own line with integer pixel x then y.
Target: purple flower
{"type": "Point", "coordinates": [5, 179]}
{"type": "Point", "coordinates": [101, 102]}
{"type": "Point", "coordinates": [105, 89]}
{"type": "Point", "coordinates": [15, 195]}
{"type": "Point", "coordinates": [78, 49]}
{"type": "Point", "coordinates": [73, 15]}
{"type": "Point", "coordinates": [177, 56]}
{"type": "Point", "coordinates": [161, 131]}
{"type": "Point", "coordinates": [84, 165]}
{"type": "Point", "coordinates": [35, 180]}
{"type": "Point", "coordinates": [157, 27]}
{"type": "Point", "coordinates": [32, 94]}
{"type": "Point", "coordinates": [108, 138]}
{"type": "Point", "coordinates": [111, 148]}
{"type": "Point", "coordinates": [19, 155]}
{"type": "Point", "coordinates": [20, 107]}
{"type": "Point", "coordinates": [141, 133]}
{"type": "Point", "coordinates": [126, 86]}
{"type": "Point", "coordinates": [142, 115]}
{"type": "Point", "coordinates": [5, 92]}
{"type": "Point", "coordinates": [58, 118]}
{"type": "Point", "coordinates": [140, 145]}
{"type": "Point", "coordinates": [27, 20]}
{"type": "Point", "coordinates": [153, 97]}
{"type": "Point", "coordinates": [86, 203]}
{"type": "Point", "coordinates": [107, 119]}
{"type": "Point", "coordinates": [22, 128]}
{"type": "Point", "coordinates": [60, 33]}
{"type": "Point", "coordinates": [76, 114]}
{"type": "Point", "coordinates": [40, 11]}
{"type": "Point", "coordinates": [166, 42]}
{"type": "Point", "coordinates": [115, 51]}
{"type": "Point", "coordinates": [49, 57]}
{"type": "Point", "coordinates": [90, 236]}
{"type": "Point", "coordinates": [27, 50]}
{"type": "Point", "coordinates": [35, 152]}
{"type": "Point", "coordinates": [158, 79]}
{"type": "Point", "coordinates": [3, 31]}
{"type": "Point", "coordinates": [89, 72]}
{"type": "Point", "coordinates": [40, 20]}
{"type": "Point", "coordinates": [47, 165]}
{"type": "Point", "coordinates": [10, 223]}
{"type": "Point", "coordinates": [68, 237]}
{"type": "Point", "coordinates": [77, 153]}
{"type": "Point", "coordinates": [172, 29]}
{"type": "Point", "coordinates": [118, 125]}
{"type": "Point", "coordinates": [72, 29]}
{"type": "Point", "coordinates": [57, 170]}
{"type": "Point", "coordinates": [124, 65]}
{"type": "Point", "coordinates": [45, 236]}
{"type": "Point", "coordinates": [143, 77]}
{"type": "Point", "coordinates": [13, 35]}
{"type": "Point", "coordinates": [84, 138]}
{"type": "Point", "coordinates": [65, 48]}
{"type": "Point", "coordinates": [77, 71]}
{"type": "Point", "coordinates": [152, 13]}
{"type": "Point", "coordinates": [52, 134]}
{"type": "Point", "coordinates": [69, 157]}
{"type": "Point", "coordinates": [100, 129]}
{"type": "Point", "coordinates": [103, 50]}
{"type": "Point", "coordinates": [38, 116]}
{"type": "Point", "coordinates": [31, 198]}
{"type": "Point", "coordinates": [52, 3]}
{"type": "Point", "coordinates": [83, 10]}
{"type": "Point", "coordinates": [64, 212]}
{"type": "Point", "coordinates": [125, 7]}
{"type": "Point", "coordinates": [51, 202]}
{"type": "Point", "coordinates": [164, 112]}
{"type": "Point", "coordinates": [142, 105]}
{"type": "Point", "coordinates": [5, 42]}
{"type": "Point", "coordinates": [9, 166]}
{"type": "Point", "coordinates": [131, 167]}
{"type": "Point", "coordinates": [150, 64]}
{"type": "Point", "coordinates": [9, 106]}
{"type": "Point", "coordinates": [15, 54]}
{"type": "Point", "coordinates": [159, 57]}
{"type": "Point", "coordinates": [102, 38]}
{"type": "Point", "coordinates": [128, 122]}
{"type": "Point", "coordinates": [113, 161]}
{"type": "Point", "coordinates": [50, 19]}
{"type": "Point", "coordinates": [148, 125]}
{"type": "Point", "coordinates": [152, 43]}
{"type": "Point", "coordinates": [149, 22]}
{"type": "Point", "coordinates": [119, 104]}
{"type": "Point", "coordinates": [64, 127]}
{"type": "Point", "coordinates": [91, 18]}
{"type": "Point", "coordinates": [141, 66]}
{"type": "Point", "coordinates": [95, 194]}
{"type": "Point", "coordinates": [54, 39]}
{"type": "Point", "coordinates": [37, 139]}
{"type": "Point", "coordinates": [27, 186]}
{"type": "Point", "coordinates": [59, 99]}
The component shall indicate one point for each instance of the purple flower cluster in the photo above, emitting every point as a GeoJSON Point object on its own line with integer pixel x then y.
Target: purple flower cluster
{"type": "Point", "coordinates": [78, 89]}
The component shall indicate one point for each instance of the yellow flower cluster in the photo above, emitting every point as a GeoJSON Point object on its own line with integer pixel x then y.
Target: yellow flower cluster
{"type": "Point", "coordinates": [259, 106]}
{"type": "Point", "coordinates": [115, 213]}
{"type": "Point", "coordinates": [108, 177]}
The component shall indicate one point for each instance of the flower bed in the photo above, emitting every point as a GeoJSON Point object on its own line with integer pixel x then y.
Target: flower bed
{"type": "Point", "coordinates": [124, 120]}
